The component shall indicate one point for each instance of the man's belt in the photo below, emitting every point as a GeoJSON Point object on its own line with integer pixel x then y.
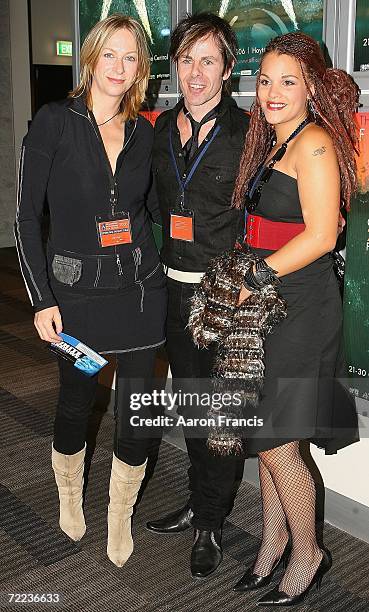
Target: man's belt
{"type": "Point", "coordinates": [185, 277]}
{"type": "Point", "coordinates": [270, 235]}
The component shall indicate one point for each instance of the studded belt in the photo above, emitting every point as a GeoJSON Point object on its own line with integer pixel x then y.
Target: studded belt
{"type": "Point", "coordinates": [262, 233]}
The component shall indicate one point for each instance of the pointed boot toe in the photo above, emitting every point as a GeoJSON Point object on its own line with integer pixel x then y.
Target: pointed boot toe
{"type": "Point", "coordinates": [125, 483]}
{"type": "Point", "coordinates": [206, 553]}
{"type": "Point", "coordinates": [175, 522]}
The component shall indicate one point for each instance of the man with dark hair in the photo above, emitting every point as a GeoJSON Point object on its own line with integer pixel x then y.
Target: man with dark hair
{"type": "Point", "coordinates": [197, 149]}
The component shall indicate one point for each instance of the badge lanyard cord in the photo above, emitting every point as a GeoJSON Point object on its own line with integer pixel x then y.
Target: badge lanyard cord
{"type": "Point", "coordinates": [183, 184]}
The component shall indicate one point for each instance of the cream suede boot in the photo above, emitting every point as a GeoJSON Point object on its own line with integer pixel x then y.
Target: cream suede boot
{"type": "Point", "coordinates": [68, 470]}
{"type": "Point", "coordinates": [125, 482]}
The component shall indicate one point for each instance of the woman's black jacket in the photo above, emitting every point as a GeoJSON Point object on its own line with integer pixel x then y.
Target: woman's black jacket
{"type": "Point", "coordinates": [63, 162]}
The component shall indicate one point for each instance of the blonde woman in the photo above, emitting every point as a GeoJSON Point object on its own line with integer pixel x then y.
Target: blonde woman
{"type": "Point", "coordinates": [101, 280]}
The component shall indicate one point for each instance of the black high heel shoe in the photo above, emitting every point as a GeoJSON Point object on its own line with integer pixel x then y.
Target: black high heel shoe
{"type": "Point", "coordinates": [251, 581]}
{"type": "Point", "coordinates": [279, 598]}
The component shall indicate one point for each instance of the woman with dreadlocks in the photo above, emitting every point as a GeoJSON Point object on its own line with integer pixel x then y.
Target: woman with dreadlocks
{"type": "Point", "coordinates": [297, 169]}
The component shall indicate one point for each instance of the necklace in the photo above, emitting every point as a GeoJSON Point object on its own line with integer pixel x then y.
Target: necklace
{"type": "Point", "coordinates": [282, 149]}
{"type": "Point", "coordinates": [107, 121]}
{"type": "Point", "coordinates": [265, 171]}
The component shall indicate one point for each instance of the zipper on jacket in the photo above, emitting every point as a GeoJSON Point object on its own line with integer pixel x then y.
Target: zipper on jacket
{"type": "Point", "coordinates": [119, 264]}
{"type": "Point", "coordinates": [112, 177]}
{"type": "Point", "coordinates": [113, 197]}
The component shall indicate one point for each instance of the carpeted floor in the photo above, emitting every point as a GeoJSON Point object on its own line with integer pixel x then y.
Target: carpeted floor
{"type": "Point", "coordinates": [36, 557]}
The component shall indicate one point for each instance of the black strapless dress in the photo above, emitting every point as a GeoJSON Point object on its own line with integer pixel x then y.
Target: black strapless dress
{"type": "Point", "coordinates": [304, 396]}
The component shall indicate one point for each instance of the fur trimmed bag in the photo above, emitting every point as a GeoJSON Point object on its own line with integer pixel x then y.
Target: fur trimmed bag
{"type": "Point", "coordinates": [239, 332]}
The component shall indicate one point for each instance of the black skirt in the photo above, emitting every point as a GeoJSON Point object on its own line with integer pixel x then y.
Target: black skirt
{"type": "Point", "coordinates": [304, 394]}
{"type": "Point", "coordinates": [115, 321]}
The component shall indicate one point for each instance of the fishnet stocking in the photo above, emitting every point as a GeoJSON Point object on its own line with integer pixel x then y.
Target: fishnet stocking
{"type": "Point", "coordinates": [296, 492]}
{"type": "Point", "coordinates": [275, 534]}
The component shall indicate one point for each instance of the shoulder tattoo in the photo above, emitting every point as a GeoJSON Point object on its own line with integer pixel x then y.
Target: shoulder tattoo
{"type": "Point", "coordinates": [319, 151]}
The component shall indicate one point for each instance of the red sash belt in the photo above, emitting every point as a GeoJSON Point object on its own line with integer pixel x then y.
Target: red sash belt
{"type": "Point", "coordinates": [270, 235]}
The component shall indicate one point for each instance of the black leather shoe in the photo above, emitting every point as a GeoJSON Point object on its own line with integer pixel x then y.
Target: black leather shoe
{"type": "Point", "coordinates": [279, 598]}
{"type": "Point", "coordinates": [177, 521]}
{"type": "Point", "coordinates": [206, 553]}
{"type": "Point", "coordinates": [251, 581]}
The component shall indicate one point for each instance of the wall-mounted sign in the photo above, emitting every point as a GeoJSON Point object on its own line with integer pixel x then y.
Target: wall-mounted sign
{"type": "Point", "coordinates": [256, 22]}
{"type": "Point", "coordinates": [154, 16]}
{"type": "Point", "coordinates": [356, 297]}
{"type": "Point", "coordinates": [361, 57]}
{"type": "Point", "coordinates": [64, 47]}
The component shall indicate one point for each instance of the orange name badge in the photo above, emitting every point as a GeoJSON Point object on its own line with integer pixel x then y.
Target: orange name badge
{"type": "Point", "coordinates": [182, 225]}
{"type": "Point", "coordinates": [113, 232]}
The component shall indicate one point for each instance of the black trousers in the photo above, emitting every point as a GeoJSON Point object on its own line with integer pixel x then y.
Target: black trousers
{"type": "Point", "coordinates": [135, 373]}
{"type": "Point", "coordinates": [212, 479]}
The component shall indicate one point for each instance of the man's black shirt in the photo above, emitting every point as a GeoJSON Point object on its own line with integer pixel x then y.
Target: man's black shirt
{"type": "Point", "coordinates": [209, 193]}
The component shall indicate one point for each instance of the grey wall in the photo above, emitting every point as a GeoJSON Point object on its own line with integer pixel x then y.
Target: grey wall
{"type": "Point", "coordinates": [20, 71]}
{"type": "Point", "coordinates": [7, 148]}
{"type": "Point", "coordinates": [15, 106]}
{"type": "Point", "coordinates": [51, 20]}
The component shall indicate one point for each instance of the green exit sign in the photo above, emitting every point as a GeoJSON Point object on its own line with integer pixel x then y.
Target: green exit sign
{"type": "Point", "coordinates": [64, 47]}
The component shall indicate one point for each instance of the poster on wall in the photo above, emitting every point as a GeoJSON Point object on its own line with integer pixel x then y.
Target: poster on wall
{"type": "Point", "coordinates": [154, 16]}
{"type": "Point", "coordinates": [356, 295]}
{"type": "Point", "coordinates": [256, 22]}
{"type": "Point", "coordinates": [361, 55]}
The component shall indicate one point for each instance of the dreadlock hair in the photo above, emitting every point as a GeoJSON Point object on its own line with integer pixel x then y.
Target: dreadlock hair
{"type": "Point", "coordinates": [335, 100]}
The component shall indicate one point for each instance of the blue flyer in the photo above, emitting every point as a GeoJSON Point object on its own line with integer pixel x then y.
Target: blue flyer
{"type": "Point", "coordinates": [83, 357]}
